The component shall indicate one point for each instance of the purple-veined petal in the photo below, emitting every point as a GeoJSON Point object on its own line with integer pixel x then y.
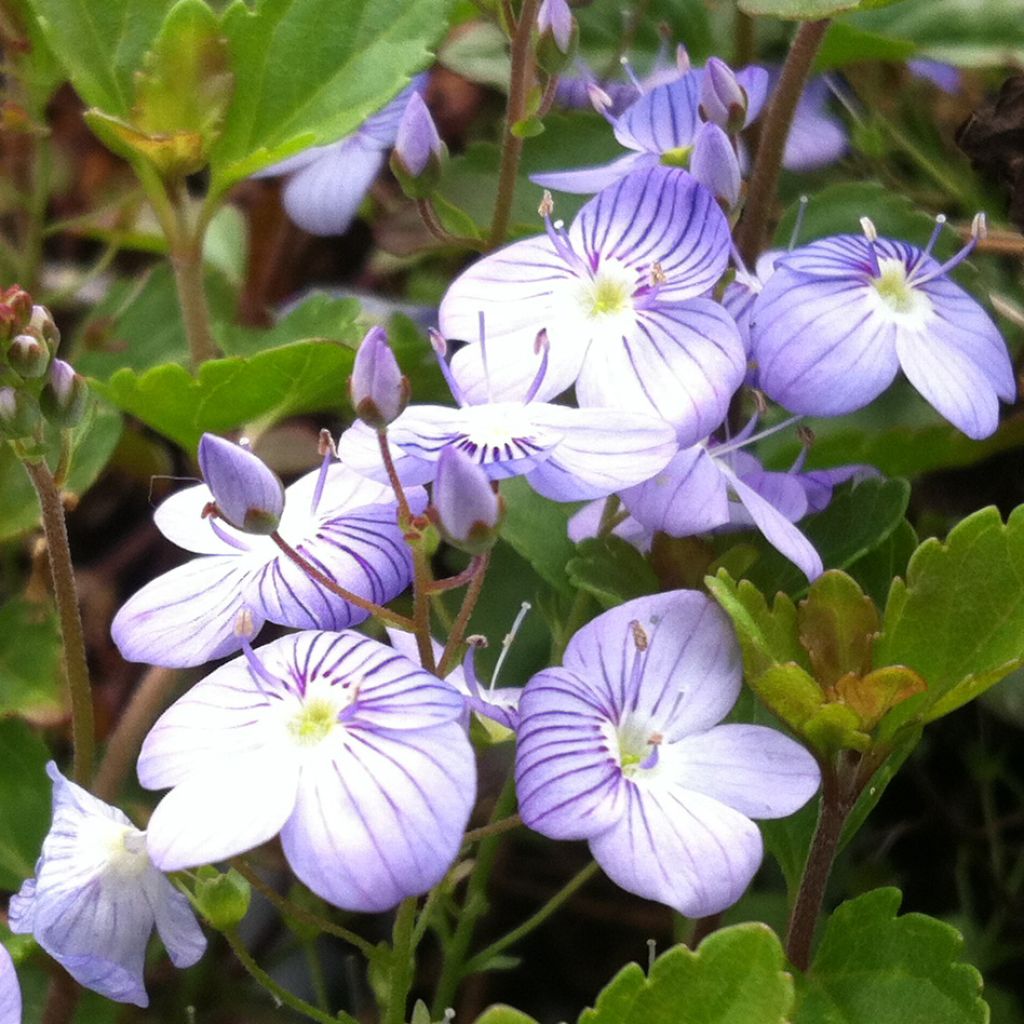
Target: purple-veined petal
{"type": "Point", "coordinates": [588, 180]}
{"type": "Point", "coordinates": [324, 196]}
{"type": "Point", "coordinates": [586, 523]}
{"type": "Point", "coordinates": [777, 529]}
{"type": "Point", "coordinates": [819, 483]}
{"type": "Point", "coordinates": [382, 128]}
{"type": "Point", "coordinates": [176, 924]}
{"type": "Point", "coordinates": [381, 815]}
{"type": "Point", "coordinates": [187, 616]}
{"type": "Point", "coordinates": [601, 451]}
{"type": "Point", "coordinates": [663, 119]}
{"type": "Point", "coordinates": [691, 668]}
{"type": "Point", "coordinates": [568, 778]}
{"type": "Point", "coordinates": [658, 215]}
{"type": "Point", "coordinates": [688, 497]}
{"type": "Point", "coordinates": [683, 362]}
{"type": "Point", "coordinates": [359, 449]}
{"type": "Point", "coordinates": [344, 490]}
{"type": "Point", "coordinates": [180, 519]}
{"type": "Point", "coordinates": [755, 770]}
{"type": "Point", "coordinates": [715, 165]}
{"type": "Point", "coordinates": [680, 848]}
{"type": "Point", "coordinates": [233, 806]}
{"type": "Point", "coordinates": [755, 81]}
{"type": "Point", "coordinates": [783, 491]}
{"type": "Point", "coordinates": [10, 990]}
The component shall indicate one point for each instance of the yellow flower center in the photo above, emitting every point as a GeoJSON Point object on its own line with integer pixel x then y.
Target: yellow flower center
{"type": "Point", "coordinates": [314, 722]}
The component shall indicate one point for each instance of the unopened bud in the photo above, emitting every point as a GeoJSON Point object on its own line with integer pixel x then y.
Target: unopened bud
{"type": "Point", "coordinates": [557, 36]}
{"type": "Point", "coordinates": [248, 494]}
{"type": "Point", "coordinates": [379, 389]}
{"type": "Point", "coordinates": [714, 164]}
{"type": "Point", "coordinates": [723, 101]}
{"type": "Point", "coordinates": [15, 310]}
{"type": "Point", "coordinates": [64, 396]}
{"type": "Point", "coordinates": [28, 357]}
{"type": "Point", "coordinates": [19, 414]}
{"type": "Point", "coordinates": [419, 154]}
{"type": "Point", "coordinates": [468, 511]}
{"type": "Point", "coordinates": [42, 325]}
{"type": "Point", "coordinates": [222, 898]}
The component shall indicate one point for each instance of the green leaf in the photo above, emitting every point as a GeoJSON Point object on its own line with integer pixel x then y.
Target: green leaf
{"type": "Point", "coordinates": [479, 53]}
{"type": "Point", "coordinates": [857, 520]}
{"type": "Point", "coordinates": [875, 570]}
{"type": "Point", "coordinates": [31, 678]}
{"type": "Point", "coordinates": [307, 376]}
{"type": "Point", "coordinates": [846, 44]}
{"type": "Point", "coordinates": [958, 620]}
{"type": "Point", "coordinates": [34, 66]}
{"type": "Point", "coordinates": [876, 968]}
{"type": "Point", "coordinates": [504, 1015]}
{"type": "Point", "coordinates": [612, 570]}
{"type": "Point", "coordinates": [101, 45]}
{"type": "Point", "coordinates": [538, 530]}
{"type": "Point", "coordinates": [24, 801]}
{"type": "Point", "coordinates": [796, 10]}
{"type": "Point", "coordinates": [93, 443]}
{"type": "Point", "coordinates": [307, 73]}
{"type": "Point", "coordinates": [736, 976]}
{"type": "Point", "coordinates": [318, 316]}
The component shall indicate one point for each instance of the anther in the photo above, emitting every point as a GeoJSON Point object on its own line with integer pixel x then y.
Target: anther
{"type": "Point", "coordinates": [640, 639]}
{"type": "Point", "coordinates": [658, 275]}
{"type": "Point", "coordinates": [547, 204]}
{"type": "Point", "coordinates": [325, 444]}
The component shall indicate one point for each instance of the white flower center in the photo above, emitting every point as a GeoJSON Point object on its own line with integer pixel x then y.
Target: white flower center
{"type": "Point", "coordinates": [900, 300]}
{"type": "Point", "coordinates": [313, 722]}
{"type": "Point", "coordinates": [638, 743]}
{"type": "Point", "coordinates": [122, 847]}
{"type": "Point", "coordinates": [608, 295]}
{"type": "Point", "coordinates": [498, 424]}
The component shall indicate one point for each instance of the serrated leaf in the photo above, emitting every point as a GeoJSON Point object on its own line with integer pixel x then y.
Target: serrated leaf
{"type": "Point", "coordinates": [307, 73]}
{"type": "Point", "coordinates": [876, 968]}
{"type": "Point", "coordinates": [837, 627]}
{"type": "Point", "coordinates": [229, 393]}
{"type": "Point", "coordinates": [24, 801]}
{"type": "Point", "coordinates": [538, 530]}
{"type": "Point", "coordinates": [958, 620]}
{"type": "Point", "coordinates": [736, 976]}
{"type": "Point", "coordinates": [31, 679]}
{"type": "Point", "coordinates": [612, 570]}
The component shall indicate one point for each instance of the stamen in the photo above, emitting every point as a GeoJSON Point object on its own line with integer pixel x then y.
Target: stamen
{"type": "Point", "coordinates": [683, 60]}
{"type": "Point", "coordinates": [655, 741]}
{"type": "Point", "coordinates": [244, 630]}
{"type": "Point", "coordinates": [469, 664]}
{"type": "Point", "coordinates": [325, 465]}
{"type": "Point", "coordinates": [979, 230]}
{"type": "Point", "coordinates": [737, 258]}
{"type": "Point", "coordinates": [547, 204]}
{"type": "Point", "coordinates": [658, 275]}
{"type": "Point", "coordinates": [740, 441]}
{"type": "Point", "coordinates": [652, 953]}
{"type": "Point", "coordinates": [940, 223]}
{"type": "Point", "coordinates": [631, 74]}
{"type": "Point", "coordinates": [798, 223]}
{"type": "Point", "coordinates": [639, 636]}
{"type": "Point", "coordinates": [440, 347]}
{"type": "Point", "coordinates": [510, 636]}
{"type": "Point", "coordinates": [871, 234]}
{"type": "Point", "coordinates": [541, 347]}
{"type": "Point", "coordinates": [222, 534]}
{"type": "Point", "coordinates": [601, 101]}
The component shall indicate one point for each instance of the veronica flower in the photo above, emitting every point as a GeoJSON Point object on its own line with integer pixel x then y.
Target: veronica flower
{"type": "Point", "coordinates": [349, 750]}
{"type": "Point", "coordinates": [621, 296]}
{"type": "Point", "coordinates": [342, 523]}
{"type": "Point", "coordinates": [816, 136]}
{"type": "Point", "coordinates": [622, 747]}
{"type": "Point", "coordinates": [96, 897]}
{"type": "Point", "coordinates": [10, 990]}
{"type": "Point", "coordinates": [840, 316]}
{"type": "Point", "coordinates": [326, 184]}
{"type": "Point", "coordinates": [565, 454]}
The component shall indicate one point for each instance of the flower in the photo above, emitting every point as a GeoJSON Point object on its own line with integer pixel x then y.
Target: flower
{"type": "Point", "coordinates": [621, 296]}
{"type": "Point", "coordinates": [349, 750]}
{"type": "Point", "coordinates": [10, 990]}
{"type": "Point", "coordinates": [622, 747]}
{"type": "Point", "coordinates": [342, 523]}
{"type": "Point", "coordinates": [816, 136]}
{"type": "Point", "coordinates": [840, 316]}
{"type": "Point", "coordinates": [326, 184]}
{"type": "Point", "coordinates": [96, 897]}
{"type": "Point", "coordinates": [248, 495]}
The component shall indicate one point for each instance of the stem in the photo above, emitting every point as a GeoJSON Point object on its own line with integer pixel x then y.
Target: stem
{"type": "Point", "coordinates": [187, 262]}
{"type": "Point", "coordinates": [433, 224]}
{"type": "Point", "coordinates": [281, 994]}
{"type": "Point", "coordinates": [421, 580]}
{"type": "Point", "coordinates": [462, 619]}
{"type": "Point", "coordinates": [402, 962]}
{"type": "Point", "coordinates": [147, 702]}
{"type": "Point", "coordinates": [459, 580]}
{"type": "Point", "coordinates": [404, 512]}
{"type": "Point", "coordinates": [764, 179]}
{"type": "Point", "coordinates": [382, 613]}
{"type": "Point", "coordinates": [567, 891]}
{"type": "Point", "coordinates": [76, 667]}
{"type": "Point", "coordinates": [301, 914]}
{"type": "Point", "coordinates": [512, 145]}
{"type": "Point", "coordinates": [494, 828]}
{"type": "Point", "coordinates": [61, 998]}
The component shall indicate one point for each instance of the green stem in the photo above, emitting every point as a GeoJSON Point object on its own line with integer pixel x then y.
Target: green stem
{"type": "Point", "coordinates": [494, 828]}
{"type": "Point", "coordinates": [567, 891]}
{"type": "Point", "coordinates": [421, 580]}
{"type": "Point", "coordinates": [279, 992]}
{"type": "Point", "coordinates": [402, 961]}
{"type": "Point", "coordinates": [469, 601]}
{"type": "Point", "coordinates": [433, 224]}
{"type": "Point", "coordinates": [512, 145]}
{"type": "Point", "coordinates": [473, 907]}
{"type": "Point", "coordinates": [76, 666]}
{"type": "Point", "coordinates": [764, 178]}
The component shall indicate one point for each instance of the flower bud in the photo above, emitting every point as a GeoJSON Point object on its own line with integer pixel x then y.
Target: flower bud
{"type": "Point", "coordinates": [222, 898]}
{"type": "Point", "coordinates": [64, 396]}
{"type": "Point", "coordinates": [557, 36]}
{"type": "Point", "coordinates": [714, 164]}
{"type": "Point", "coordinates": [15, 310]}
{"type": "Point", "coordinates": [28, 357]}
{"type": "Point", "coordinates": [723, 101]}
{"type": "Point", "coordinates": [378, 387]}
{"type": "Point", "coordinates": [248, 495]}
{"type": "Point", "coordinates": [468, 511]}
{"type": "Point", "coordinates": [19, 414]}
{"type": "Point", "coordinates": [41, 325]}
{"type": "Point", "coordinates": [419, 153]}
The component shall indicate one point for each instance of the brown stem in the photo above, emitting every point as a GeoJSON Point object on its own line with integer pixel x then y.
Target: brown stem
{"type": "Point", "coordinates": [421, 580]}
{"type": "Point", "coordinates": [61, 998]}
{"type": "Point", "coordinates": [764, 179]}
{"type": "Point", "coordinates": [462, 619]}
{"type": "Point", "coordinates": [382, 613]}
{"type": "Point", "coordinates": [453, 582]}
{"type": "Point", "coordinates": [512, 145]}
{"type": "Point", "coordinates": [404, 512]}
{"type": "Point", "coordinates": [62, 572]}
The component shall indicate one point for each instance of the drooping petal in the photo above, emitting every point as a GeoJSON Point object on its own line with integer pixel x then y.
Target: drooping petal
{"type": "Point", "coordinates": [691, 665]}
{"type": "Point", "coordinates": [683, 362]}
{"type": "Point", "coordinates": [568, 778]}
{"type": "Point", "coordinates": [601, 451]}
{"type": "Point", "coordinates": [783, 491]}
{"type": "Point", "coordinates": [187, 616]}
{"type": "Point", "coordinates": [381, 815]}
{"type": "Point", "coordinates": [586, 523]}
{"type": "Point", "coordinates": [755, 770]}
{"type": "Point", "coordinates": [819, 483]}
{"type": "Point", "coordinates": [755, 81]}
{"type": "Point", "coordinates": [663, 119]}
{"type": "Point", "coordinates": [588, 180]}
{"type": "Point", "coordinates": [688, 497]}
{"type": "Point", "coordinates": [10, 990]}
{"type": "Point", "coordinates": [175, 921]}
{"type": "Point", "coordinates": [680, 848]}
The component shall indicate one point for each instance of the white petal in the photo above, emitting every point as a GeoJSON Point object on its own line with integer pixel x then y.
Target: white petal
{"type": "Point", "coordinates": [180, 519]}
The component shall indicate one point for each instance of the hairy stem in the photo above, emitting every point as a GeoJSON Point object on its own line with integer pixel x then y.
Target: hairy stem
{"type": "Point", "coordinates": [403, 962]}
{"type": "Point", "coordinates": [404, 512]}
{"type": "Point", "coordinates": [469, 601]}
{"type": "Point", "coordinates": [421, 581]}
{"type": "Point", "coordinates": [76, 667]}
{"type": "Point", "coordinates": [764, 179]}
{"type": "Point", "coordinates": [512, 145]}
